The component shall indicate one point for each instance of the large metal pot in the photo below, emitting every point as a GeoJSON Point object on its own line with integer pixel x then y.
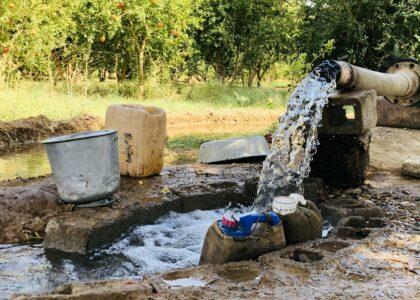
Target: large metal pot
{"type": "Point", "coordinates": [85, 165]}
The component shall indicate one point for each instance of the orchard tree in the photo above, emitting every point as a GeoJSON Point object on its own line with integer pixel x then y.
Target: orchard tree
{"type": "Point", "coordinates": [97, 23]}
{"type": "Point", "coordinates": [30, 31]}
{"type": "Point", "coordinates": [365, 32]}
{"type": "Point", "coordinates": [244, 37]}
{"type": "Point", "coordinates": [155, 31]}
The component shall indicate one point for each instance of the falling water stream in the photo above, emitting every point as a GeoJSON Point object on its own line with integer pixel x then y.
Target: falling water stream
{"type": "Point", "coordinates": [294, 142]}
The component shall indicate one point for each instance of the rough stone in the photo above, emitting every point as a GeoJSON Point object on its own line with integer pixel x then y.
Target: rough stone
{"type": "Point", "coordinates": [219, 248]}
{"type": "Point", "coordinates": [334, 120]}
{"type": "Point", "coordinates": [303, 225]}
{"type": "Point", "coordinates": [338, 208]}
{"type": "Point", "coordinates": [411, 167]}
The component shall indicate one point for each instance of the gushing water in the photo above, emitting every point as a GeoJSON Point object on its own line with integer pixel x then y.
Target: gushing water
{"type": "Point", "coordinates": [294, 142]}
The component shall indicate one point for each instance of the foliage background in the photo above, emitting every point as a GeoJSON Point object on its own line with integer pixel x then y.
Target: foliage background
{"type": "Point", "coordinates": [237, 42]}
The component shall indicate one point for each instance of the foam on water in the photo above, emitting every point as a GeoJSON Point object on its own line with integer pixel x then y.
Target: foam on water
{"type": "Point", "coordinates": [173, 242]}
{"type": "Point", "coordinates": [294, 142]}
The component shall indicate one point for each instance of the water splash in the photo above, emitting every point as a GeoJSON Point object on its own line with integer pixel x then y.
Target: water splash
{"type": "Point", "coordinates": [295, 140]}
{"type": "Point", "coordinates": [173, 242]}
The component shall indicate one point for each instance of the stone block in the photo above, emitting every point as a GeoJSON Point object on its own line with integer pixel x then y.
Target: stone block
{"type": "Point", "coordinates": [303, 225]}
{"type": "Point", "coordinates": [336, 209]}
{"type": "Point", "coordinates": [179, 189]}
{"type": "Point", "coordinates": [335, 121]}
{"type": "Point", "coordinates": [219, 248]}
{"type": "Point", "coordinates": [342, 160]}
{"type": "Point", "coordinates": [393, 115]}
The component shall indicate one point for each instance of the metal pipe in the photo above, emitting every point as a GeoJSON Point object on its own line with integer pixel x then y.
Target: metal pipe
{"type": "Point", "coordinates": [400, 85]}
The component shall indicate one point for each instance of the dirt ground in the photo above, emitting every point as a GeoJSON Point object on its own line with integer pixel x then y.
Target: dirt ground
{"type": "Point", "coordinates": [391, 146]}
{"type": "Point", "coordinates": [364, 257]}
{"type": "Point", "coordinates": [239, 121]}
{"type": "Point", "coordinates": [369, 254]}
{"type": "Point", "coordinates": [34, 129]}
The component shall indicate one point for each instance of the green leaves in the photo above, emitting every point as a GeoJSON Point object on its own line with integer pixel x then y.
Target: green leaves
{"type": "Point", "coordinates": [365, 32]}
{"type": "Point", "coordinates": [243, 38]}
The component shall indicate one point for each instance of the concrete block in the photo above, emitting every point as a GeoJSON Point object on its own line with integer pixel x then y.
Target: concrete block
{"type": "Point", "coordinates": [392, 115]}
{"type": "Point", "coordinates": [336, 209]}
{"type": "Point", "coordinates": [334, 120]}
{"type": "Point", "coordinates": [342, 160]}
{"type": "Point", "coordinates": [179, 189]}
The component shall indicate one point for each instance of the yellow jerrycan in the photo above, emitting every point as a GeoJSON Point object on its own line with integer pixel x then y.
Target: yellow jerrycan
{"type": "Point", "coordinates": [141, 137]}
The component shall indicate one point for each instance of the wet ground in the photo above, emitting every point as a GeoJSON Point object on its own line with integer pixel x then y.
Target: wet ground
{"type": "Point", "coordinates": [174, 241]}
{"type": "Point", "coordinates": [366, 256]}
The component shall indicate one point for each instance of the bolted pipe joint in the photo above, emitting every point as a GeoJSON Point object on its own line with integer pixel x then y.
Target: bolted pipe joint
{"type": "Point", "coordinates": [400, 85]}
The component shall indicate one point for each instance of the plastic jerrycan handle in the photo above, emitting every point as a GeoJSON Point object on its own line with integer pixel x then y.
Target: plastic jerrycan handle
{"type": "Point", "coordinates": [246, 222]}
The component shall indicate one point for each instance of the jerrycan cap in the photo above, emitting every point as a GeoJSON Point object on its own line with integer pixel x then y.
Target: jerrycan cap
{"type": "Point", "coordinates": [284, 205]}
{"type": "Point", "coordinates": [229, 222]}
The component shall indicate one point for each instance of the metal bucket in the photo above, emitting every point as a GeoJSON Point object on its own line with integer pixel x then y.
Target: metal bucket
{"type": "Point", "coordinates": [85, 165]}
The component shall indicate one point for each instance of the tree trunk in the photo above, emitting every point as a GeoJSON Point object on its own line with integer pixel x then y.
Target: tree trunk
{"type": "Point", "coordinates": [140, 47]}
{"type": "Point", "coordinates": [86, 84]}
{"type": "Point", "coordinates": [102, 75]}
{"type": "Point", "coordinates": [235, 70]}
{"type": "Point", "coordinates": [251, 78]}
{"type": "Point", "coordinates": [259, 77]}
{"type": "Point", "coordinates": [260, 74]}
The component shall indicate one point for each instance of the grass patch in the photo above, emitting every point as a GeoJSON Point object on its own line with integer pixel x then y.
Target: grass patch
{"type": "Point", "coordinates": [29, 98]}
{"type": "Point", "coordinates": [236, 96]}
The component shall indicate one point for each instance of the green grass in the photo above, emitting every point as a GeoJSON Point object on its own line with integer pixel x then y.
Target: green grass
{"type": "Point", "coordinates": [28, 98]}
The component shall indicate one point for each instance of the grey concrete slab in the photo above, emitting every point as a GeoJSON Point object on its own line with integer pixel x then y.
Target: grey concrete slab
{"type": "Point", "coordinates": [334, 120]}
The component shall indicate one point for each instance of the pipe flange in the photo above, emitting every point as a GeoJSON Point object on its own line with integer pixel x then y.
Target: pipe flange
{"type": "Point", "coordinates": [413, 69]}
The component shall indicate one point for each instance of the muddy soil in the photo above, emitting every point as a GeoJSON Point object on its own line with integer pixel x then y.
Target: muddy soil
{"type": "Point", "coordinates": [34, 129]}
{"type": "Point", "coordinates": [239, 121]}
{"type": "Point", "coordinates": [380, 266]}
{"type": "Point", "coordinates": [366, 257]}
{"type": "Point", "coordinates": [363, 258]}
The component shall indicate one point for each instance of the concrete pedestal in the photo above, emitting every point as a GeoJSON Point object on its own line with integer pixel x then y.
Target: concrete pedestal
{"type": "Point", "coordinates": [342, 157]}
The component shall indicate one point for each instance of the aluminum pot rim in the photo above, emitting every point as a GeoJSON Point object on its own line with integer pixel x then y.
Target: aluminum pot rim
{"type": "Point", "coordinates": [79, 136]}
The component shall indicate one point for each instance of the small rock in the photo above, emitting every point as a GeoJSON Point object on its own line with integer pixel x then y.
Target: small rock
{"type": "Point", "coordinates": [411, 166]}
{"type": "Point", "coordinates": [356, 191]}
{"type": "Point", "coordinates": [136, 240]}
{"type": "Point", "coordinates": [407, 204]}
